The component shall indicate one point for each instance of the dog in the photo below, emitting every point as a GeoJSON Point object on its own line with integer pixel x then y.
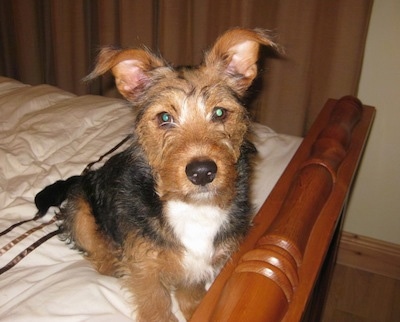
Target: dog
{"type": "Point", "coordinates": [166, 214]}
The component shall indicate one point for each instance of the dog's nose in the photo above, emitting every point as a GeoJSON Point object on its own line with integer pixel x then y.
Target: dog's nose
{"type": "Point", "coordinates": [201, 172]}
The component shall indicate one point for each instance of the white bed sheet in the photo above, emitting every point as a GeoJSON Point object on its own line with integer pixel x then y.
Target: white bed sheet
{"type": "Point", "coordinates": [47, 134]}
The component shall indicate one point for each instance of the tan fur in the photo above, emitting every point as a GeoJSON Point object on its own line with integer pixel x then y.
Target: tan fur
{"type": "Point", "coordinates": [189, 298]}
{"type": "Point", "coordinates": [148, 268]}
{"type": "Point", "coordinates": [98, 247]}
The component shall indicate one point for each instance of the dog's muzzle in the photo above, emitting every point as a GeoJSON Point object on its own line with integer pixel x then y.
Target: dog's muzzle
{"type": "Point", "coordinates": [201, 172]}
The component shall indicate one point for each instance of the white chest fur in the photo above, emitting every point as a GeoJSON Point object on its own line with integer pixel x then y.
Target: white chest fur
{"type": "Point", "coordinates": [196, 227]}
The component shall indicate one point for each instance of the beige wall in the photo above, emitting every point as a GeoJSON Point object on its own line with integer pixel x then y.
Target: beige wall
{"type": "Point", "coordinates": [374, 210]}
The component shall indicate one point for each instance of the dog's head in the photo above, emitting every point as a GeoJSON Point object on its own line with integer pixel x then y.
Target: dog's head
{"type": "Point", "coordinates": [191, 123]}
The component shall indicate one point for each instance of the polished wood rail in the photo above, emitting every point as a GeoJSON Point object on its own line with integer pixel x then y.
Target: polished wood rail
{"type": "Point", "coordinates": [277, 269]}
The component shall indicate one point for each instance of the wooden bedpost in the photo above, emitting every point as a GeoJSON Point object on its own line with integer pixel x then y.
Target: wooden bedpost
{"type": "Point", "coordinates": [278, 264]}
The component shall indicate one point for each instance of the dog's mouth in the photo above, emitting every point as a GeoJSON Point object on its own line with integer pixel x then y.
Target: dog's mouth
{"type": "Point", "coordinates": [204, 193]}
{"type": "Point", "coordinates": [210, 194]}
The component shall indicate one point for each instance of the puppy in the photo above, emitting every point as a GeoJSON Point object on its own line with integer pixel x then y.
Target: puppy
{"type": "Point", "coordinates": [166, 214]}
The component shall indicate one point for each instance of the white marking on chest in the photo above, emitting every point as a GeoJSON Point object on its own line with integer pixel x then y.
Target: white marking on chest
{"type": "Point", "coordinates": [196, 227]}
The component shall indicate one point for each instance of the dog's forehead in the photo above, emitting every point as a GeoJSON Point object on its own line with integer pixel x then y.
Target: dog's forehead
{"type": "Point", "coordinates": [194, 83]}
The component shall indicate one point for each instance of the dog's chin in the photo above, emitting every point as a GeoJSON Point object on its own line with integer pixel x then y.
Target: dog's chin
{"type": "Point", "coordinates": [205, 195]}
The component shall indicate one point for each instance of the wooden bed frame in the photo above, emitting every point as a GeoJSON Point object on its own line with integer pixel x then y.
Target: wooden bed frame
{"type": "Point", "coordinates": [283, 268]}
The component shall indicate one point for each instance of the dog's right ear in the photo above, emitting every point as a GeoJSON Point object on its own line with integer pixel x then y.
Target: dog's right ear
{"type": "Point", "coordinates": [130, 68]}
{"type": "Point", "coordinates": [235, 55]}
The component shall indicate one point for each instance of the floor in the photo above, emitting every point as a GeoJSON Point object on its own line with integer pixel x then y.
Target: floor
{"type": "Point", "coordinates": [359, 296]}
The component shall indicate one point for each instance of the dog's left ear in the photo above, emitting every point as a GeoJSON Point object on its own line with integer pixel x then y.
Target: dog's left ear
{"type": "Point", "coordinates": [130, 67]}
{"type": "Point", "coordinates": [235, 55]}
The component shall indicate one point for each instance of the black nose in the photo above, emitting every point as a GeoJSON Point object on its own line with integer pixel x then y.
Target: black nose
{"type": "Point", "coordinates": [201, 172]}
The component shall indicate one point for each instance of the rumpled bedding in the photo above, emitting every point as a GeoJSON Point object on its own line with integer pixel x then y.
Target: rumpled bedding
{"type": "Point", "coordinates": [47, 134]}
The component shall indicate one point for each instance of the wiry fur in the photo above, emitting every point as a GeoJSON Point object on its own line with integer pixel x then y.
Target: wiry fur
{"type": "Point", "coordinates": [146, 216]}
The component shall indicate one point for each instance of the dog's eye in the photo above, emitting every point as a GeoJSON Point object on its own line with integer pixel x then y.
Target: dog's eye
{"type": "Point", "coordinates": [219, 114]}
{"type": "Point", "coordinates": [165, 119]}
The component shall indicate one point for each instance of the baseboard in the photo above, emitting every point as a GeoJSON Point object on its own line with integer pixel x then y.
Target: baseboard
{"type": "Point", "coordinates": [370, 255]}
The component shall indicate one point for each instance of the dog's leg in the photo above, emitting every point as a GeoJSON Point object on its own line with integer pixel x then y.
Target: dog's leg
{"type": "Point", "coordinates": [152, 300]}
{"type": "Point", "coordinates": [86, 235]}
{"type": "Point", "coordinates": [189, 297]}
{"type": "Point", "coordinates": [149, 271]}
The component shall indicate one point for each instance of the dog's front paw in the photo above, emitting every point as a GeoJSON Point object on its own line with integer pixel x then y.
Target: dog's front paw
{"type": "Point", "coordinates": [189, 297]}
{"type": "Point", "coordinates": [143, 317]}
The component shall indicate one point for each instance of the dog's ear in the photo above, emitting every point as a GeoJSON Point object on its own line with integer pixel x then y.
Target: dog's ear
{"type": "Point", "coordinates": [235, 55]}
{"type": "Point", "coordinates": [130, 68]}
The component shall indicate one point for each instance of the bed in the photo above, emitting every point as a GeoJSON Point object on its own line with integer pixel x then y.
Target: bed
{"type": "Point", "coordinates": [282, 269]}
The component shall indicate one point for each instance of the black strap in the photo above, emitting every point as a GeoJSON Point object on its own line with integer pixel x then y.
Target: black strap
{"type": "Point", "coordinates": [28, 250]}
{"type": "Point", "coordinates": [90, 165]}
{"type": "Point", "coordinates": [21, 237]}
{"type": "Point", "coordinates": [5, 231]}
{"type": "Point", "coordinates": [43, 239]}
